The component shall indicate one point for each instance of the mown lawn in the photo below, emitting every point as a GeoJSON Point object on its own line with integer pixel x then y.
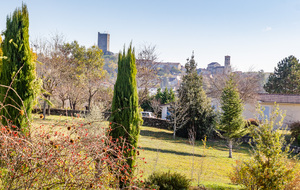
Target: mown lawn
{"type": "Point", "coordinates": [211, 164]}
{"type": "Point", "coordinates": [162, 153]}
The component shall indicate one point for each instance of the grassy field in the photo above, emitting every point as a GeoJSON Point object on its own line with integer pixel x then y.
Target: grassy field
{"type": "Point", "coordinates": [211, 163]}
{"type": "Point", "coordinates": [162, 153]}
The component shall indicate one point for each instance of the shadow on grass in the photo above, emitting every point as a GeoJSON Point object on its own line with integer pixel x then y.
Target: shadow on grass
{"type": "Point", "coordinates": [156, 134]}
{"type": "Point", "coordinates": [215, 144]}
{"type": "Point", "coordinates": [171, 152]}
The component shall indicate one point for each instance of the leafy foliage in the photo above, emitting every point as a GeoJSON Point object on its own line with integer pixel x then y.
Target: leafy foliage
{"type": "Point", "coordinates": [231, 122]}
{"type": "Point", "coordinates": [295, 130]}
{"type": "Point", "coordinates": [126, 118]}
{"type": "Point", "coordinates": [200, 115]}
{"type": "Point", "coordinates": [169, 181]}
{"type": "Point", "coordinates": [285, 79]}
{"type": "Point", "coordinates": [269, 167]}
{"type": "Point", "coordinates": [165, 97]}
{"type": "Point", "coordinates": [18, 71]}
{"type": "Point", "coordinates": [91, 71]}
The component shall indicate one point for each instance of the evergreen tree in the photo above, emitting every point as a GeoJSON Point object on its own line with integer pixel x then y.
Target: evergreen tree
{"type": "Point", "coordinates": [171, 95]}
{"type": "Point", "coordinates": [232, 122]}
{"type": "Point", "coordinates": [18, 70]}
{"type": "Point", "coordinates": [159, 94]}
{"type": "Point", "coordinates": [165, 96]}
{"type": "Point", "coordinates": [126, 118]}
{"type": "Point", "coordinates": [1, 53]}
{"type": "Point", "coordinates": [286, 77]}
{"type": "Point", "coordinates": [199, 114]}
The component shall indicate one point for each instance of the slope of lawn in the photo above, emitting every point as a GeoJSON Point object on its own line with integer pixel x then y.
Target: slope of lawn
{"type": "Point", "coordinates": [162, 153]}
{"type": "Point", "coordinates": [211, 164]}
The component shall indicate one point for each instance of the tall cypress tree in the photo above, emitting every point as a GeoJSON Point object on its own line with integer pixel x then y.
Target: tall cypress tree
{"type": "Point", "coordinates": [1, 53]}
{"type": "Point", "coordinates": [126, 118]}
{"type": "Point", "coordinates": [18, 70]}
{"type": "Point", "coordinates": [232, 122]}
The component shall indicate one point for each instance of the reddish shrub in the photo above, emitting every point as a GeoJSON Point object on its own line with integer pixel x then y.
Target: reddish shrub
{"type": "Point", "coordinates": [49, 158]}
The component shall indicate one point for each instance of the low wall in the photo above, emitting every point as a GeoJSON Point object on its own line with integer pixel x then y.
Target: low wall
{"type": "Point", "coordinates": [63, 112]}
{"type": "Point", "coordinates": [155, 122]}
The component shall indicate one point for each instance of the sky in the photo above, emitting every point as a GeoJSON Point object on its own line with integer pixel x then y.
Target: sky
{"type": "Point", "coordinates": [257, 34]}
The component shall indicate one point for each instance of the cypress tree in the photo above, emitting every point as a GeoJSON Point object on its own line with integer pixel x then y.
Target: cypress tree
{"type": "Point", "coordinates": [1, 53]}
{"type": "Point", "coordinates": [232, 122]}
{"type": "Point", "coordinates": [126, 118]}
{"type": "Point", "coordinates": [18, 70]}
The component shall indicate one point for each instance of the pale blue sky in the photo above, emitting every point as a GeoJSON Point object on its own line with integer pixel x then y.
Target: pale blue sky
{"type": "Point", "coordinates": [255, 33]}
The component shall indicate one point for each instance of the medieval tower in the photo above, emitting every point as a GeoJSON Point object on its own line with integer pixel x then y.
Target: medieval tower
{"type": "Point", "coordinates": [103, 42]}
{"type": "Point", "coordinates": [227, 64]}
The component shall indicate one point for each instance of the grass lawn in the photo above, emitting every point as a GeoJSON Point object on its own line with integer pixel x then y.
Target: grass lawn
{"type": "Point", "coordinates": [162, 153]}
{"type": "Point", "coordinates": [211, 164]}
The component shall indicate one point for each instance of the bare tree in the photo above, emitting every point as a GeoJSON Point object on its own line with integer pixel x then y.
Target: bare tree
{"type": "Point", "coordinates": [146, 69]}
{"type": "Point", "coordinates": [249, 84]}
{"type": "Point", "coordinates": [178, 116]}
{"type": "Point", "coordinates": [49, 63]}
{"type": "Point", "coordinates": [155, 104]}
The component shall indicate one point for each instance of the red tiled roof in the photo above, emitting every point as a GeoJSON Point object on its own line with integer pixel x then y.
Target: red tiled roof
{"type": "Point", "coordinates": [280, 98]}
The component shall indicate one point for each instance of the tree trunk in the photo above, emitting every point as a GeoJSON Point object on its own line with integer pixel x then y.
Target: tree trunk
{"type": "Point", "coordinates": [49, 106]}
{"type": "Point", "coordinates": [44, 109]}
{"type": "Point", "coordinates": [63, 104]}
{"type": "Point", "coordinates": [230, 148]}
{"type": "Point", "coordinates": [174, 133]}
{"type": "Point", "coordinates": [174, 127]}
{"type": "Point", "coordinates": [89, 103]}
{"type": "Point", "coordinates": [97, 168]}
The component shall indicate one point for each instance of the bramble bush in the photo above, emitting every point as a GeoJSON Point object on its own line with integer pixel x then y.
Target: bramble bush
{"type": "Point", "coordinates": [50, 158]}
{"type": "Point", "coordinates": [75, 155]}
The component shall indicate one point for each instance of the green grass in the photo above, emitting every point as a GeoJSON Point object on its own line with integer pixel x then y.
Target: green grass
{"type": "Point", "coordinates": [162, 153]}
{"type": "Point", "coordinates": [211, 164]}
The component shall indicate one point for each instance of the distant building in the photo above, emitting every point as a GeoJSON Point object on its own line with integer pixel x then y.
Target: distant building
{"type": "Point", "coordinates": [168, 64]}
{"type": "Point", "coordinates": [103, 43]}
{"type": "Point", "coordinates": [215, 68]}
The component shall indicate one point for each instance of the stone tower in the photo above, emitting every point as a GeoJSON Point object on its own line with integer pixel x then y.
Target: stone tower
{"type": "Point", "coordinates": [103, 42]}
{"type": "Point", "coordinates": [227, 61]}
{"type": "Point", "coordinates": [227, 68]}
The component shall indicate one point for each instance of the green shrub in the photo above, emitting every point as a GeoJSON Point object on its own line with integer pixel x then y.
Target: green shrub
{"type": "Point", "coordinates": [169, 181]}
{"type": "Point", "coordinates": [269, 166]}
{"type": "Point", "coordinates": [295, 130]}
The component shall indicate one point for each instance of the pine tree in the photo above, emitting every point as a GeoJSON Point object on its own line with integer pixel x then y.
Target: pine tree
{"type": "Point", "coordinates": [165, 96]}
{"type": "Point", "coordinates": [159, 94]}
{"type": "Point", "coordinates": [199, 114]}
{"type": "Point", "coordinates": [286, 77]}
{"type": "Point", "coordinates": [171, 95]}
{"type": "Point", "coordinates": [18, 70]}
{"type": "Point", "coordinates": [232, 122]}
{"type": "Point", "coordinates": [126, 118]}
